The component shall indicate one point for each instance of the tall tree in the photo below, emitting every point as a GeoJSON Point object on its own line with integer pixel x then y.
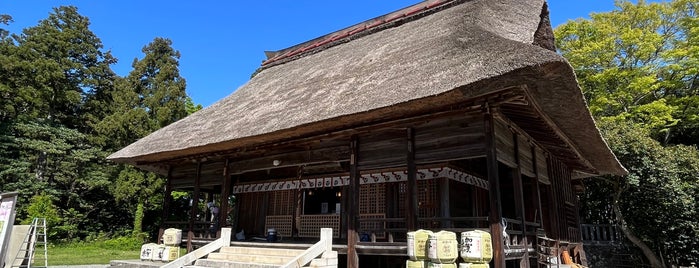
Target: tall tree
{"type": "Point", "coordinates": [60, 62]}
{"type": "Point", "coordinates": [638, 64]}
{"type": "Point", "coordinates": [637, 67]}
{"type": "Point", "coordinates": [46, 74]}
{"type": "Point", "coordinates": [150, 97]}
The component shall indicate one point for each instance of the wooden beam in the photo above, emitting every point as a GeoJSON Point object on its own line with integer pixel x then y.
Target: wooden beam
{"type": "Point", "coordinates": [292, 159]}
{"type": "Point", "coordinates": [353, 206]}
{"type": "Point", "coordinates": [495, 216]}
{"type": "Point", "coordinates": [313, 138]}
{"type": "Point", "coordinates": [225, 194]}
{"type": "Point", "coordinates": [519, 200]}
{"type": "Point", "coordinates": [411, 210]}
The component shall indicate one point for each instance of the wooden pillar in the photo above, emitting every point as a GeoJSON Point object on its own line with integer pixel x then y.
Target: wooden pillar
{"type": "Point", "coordinates": [411, 209]}
{"type": "Point", "coordinates": [236, 207]}
{"type": "Point", "coordinates": [225, 194]}
{"type": "Point", "coordinates": [195, 204]}
{"type": "Point", "coordinates": [553, 200]}
{"type": "Point", "coordinates": [167, 198]}
{"type": "Point", "coordinates": [495, 216]}
{"type": "Point", "coordinates": [353, 206]}
{"type": "Point", "coordinates": [519, 201]}
{"type": "Point", "coordinates": [540, 217]}
{"type": "Point", "coordinates": [444, 206]}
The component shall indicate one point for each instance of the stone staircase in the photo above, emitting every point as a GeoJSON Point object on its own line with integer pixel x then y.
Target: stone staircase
{"type": "Point", "coordinates": [259, 257]}
{"type": "Point", "coordinates": [220, 254]}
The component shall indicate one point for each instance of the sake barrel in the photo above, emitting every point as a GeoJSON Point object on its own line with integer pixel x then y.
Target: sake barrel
{"type": "Point", "coordinates": [476, 246]}
{"type": "Point", "coordinates": [473, 265]}
{"type": "Point", "coordinates": [443, 247]}
{"type": "Point", "coordinates": [441, 265]}
{"type": "Point", "coordinates": [158, 253]}
{"type": "Point", "coordinates": [147, 251]}
{"type": "Point", "coordinates": [171, 254]}
{"type": "Point", "coordinates": [417, 244]}
{"type": "Point", "coordinates": [172, 237]}
{"type": "Point", "coordinates": [415, 264]}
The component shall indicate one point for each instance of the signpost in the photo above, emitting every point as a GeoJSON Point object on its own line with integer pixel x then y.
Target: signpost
{"type": "Point", "coordinates": [8, 202]}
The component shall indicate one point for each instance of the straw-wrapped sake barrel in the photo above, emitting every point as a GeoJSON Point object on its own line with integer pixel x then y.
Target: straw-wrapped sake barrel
{"type": "Point", "coordinates": [415, 264]}
{"type": "Point", "coordinates": [473, 265]}
{"type": "Point", "coordinates": [417, 244]}
{"type": "Point", "coordinates": [441, 265]}
{"type": "Point", "coordinates": [476, 246]}
{"type": "Point", "coordinates": [443, 247]}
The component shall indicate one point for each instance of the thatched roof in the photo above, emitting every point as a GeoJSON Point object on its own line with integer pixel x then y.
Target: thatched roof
{"type": "Point", "coordinates": [428, 58]}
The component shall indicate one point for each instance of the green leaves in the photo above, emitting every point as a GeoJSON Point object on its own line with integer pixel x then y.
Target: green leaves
{"type": "Point", "coordinates": [639, 62]}
{"type": "Point", "coordinates": [639, 70]}
{"type": "Point", "coordinates": [63, 110]}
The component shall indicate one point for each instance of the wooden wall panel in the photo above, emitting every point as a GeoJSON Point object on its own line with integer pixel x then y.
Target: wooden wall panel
{"type": "Point", "coordinates": [448, 139]}
{"type": "Point", "coordinates": [385, 148]}
{"type": "Point", "coordinates": [526, 164]}
{"type": "Point", "coordinates": [504, 143]}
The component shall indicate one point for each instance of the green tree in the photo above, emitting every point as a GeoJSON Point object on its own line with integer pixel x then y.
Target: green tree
{"type": "Point", "coordinates": [656, 205]}
{"type": "Point", "coordinates": [48, 74]}
{"type": "Point", "coordinates": [5, 19]}
{"type": "Point", "coordinates": [637, 66]}
{"type": "Point", "coordinates": [57, 64]}
{"type": "Point", "coordinates": [41, 206]}
{"type": "Point", "coordinates": [150, 97]}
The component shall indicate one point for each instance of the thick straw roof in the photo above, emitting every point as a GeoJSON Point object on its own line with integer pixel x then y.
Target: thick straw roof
{"type": "Point", "coordinates": [432, 58]}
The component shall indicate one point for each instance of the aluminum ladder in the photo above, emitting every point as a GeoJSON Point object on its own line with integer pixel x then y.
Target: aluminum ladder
{"type": "Point", "coordinates": [36, 236]}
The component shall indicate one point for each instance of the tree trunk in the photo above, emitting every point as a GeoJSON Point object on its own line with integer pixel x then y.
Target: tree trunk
{"type": "Point", "coordinates": [647, 251]}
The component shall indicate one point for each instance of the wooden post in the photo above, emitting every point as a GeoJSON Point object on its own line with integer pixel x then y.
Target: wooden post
{"type": "Point", "coordinates": [195, 198]}
{"type": "Point", "coordinates": [353, 206]}
{"type": "Point", "coordinates": [167, 198]}
{"type": "Point", "coordinates": [236, 207]}
{"type": "Point", "coordinates": [495, 216]}
{"type": "Point", "coordinates": [519, 201]}
{"type": "Point", "coordinates": [225, 194]}
{"type": "Point", "coordinates": [444, 206]}
{"type": "Point", "coordinates": [553, 200]}
{"type": "Point", "coordinates": [537, 189]}
{"type": "Point", "coordinates": [411, 210]}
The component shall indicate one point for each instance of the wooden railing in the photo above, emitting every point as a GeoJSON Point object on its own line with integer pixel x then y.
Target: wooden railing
{"type": "Point", "coordinates": [191, 257]}
{"type": "Point", "coordinates": [324, 245]}
{"type": "Point", "coordinates": [600, 233]}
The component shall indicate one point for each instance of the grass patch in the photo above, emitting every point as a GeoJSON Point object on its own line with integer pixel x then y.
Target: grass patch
{"type": "Point", "coordinates": [94, 252]}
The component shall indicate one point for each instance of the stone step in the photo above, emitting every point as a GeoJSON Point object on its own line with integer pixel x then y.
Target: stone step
{"type": "Point", "coordinates": [231, 264]}
{"type": "Point", "coordinates": [250, 258]}
{"type": "Point", "coordinates": [262, 251]}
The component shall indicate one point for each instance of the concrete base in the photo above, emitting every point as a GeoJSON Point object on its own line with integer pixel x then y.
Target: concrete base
{"type": "Point", "coordinates": [17, 235]}
{"type": "Point", "coordinates": [135, 264]}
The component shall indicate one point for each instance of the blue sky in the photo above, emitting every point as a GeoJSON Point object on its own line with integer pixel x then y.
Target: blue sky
{"type": "Point", "coordinates": [222, 42]}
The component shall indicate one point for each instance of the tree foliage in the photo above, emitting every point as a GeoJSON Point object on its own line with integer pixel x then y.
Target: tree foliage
{"type": "Point", "coordinates": [63, 110]}
{"type": "Point", "coordinates": [638, 67]}
{"type": "Point", "coordinates": [639, 64]}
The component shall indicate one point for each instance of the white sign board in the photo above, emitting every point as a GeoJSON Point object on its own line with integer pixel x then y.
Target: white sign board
{"type": "Point", "coordinates": [8, 201]}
